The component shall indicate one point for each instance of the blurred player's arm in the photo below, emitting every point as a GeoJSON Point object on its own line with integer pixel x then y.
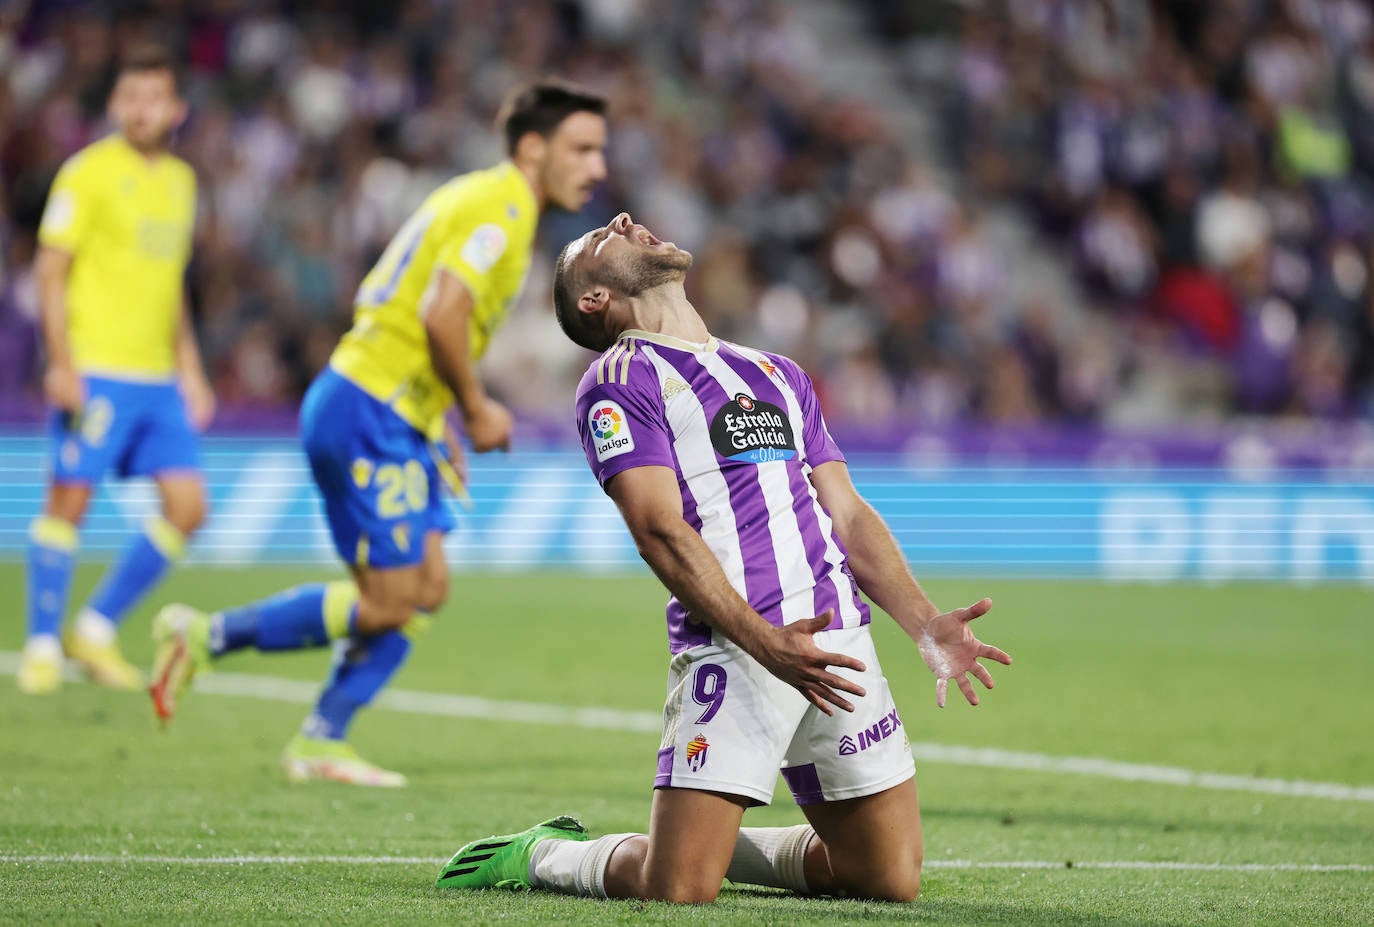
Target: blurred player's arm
{"type": "Point", "coordinates": [945, 640]}
{"type": "Point", "coordinates": [195, 385]}
{"type": "Point", "coordinates": [61, 384]}
{"type": "Point", "coordinates": [651, 504]}
{"type": "Point", "coordinates": [446, 310]}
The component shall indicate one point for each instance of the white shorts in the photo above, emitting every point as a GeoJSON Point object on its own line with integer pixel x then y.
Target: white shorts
{"type": "Point", "coordinates": [730, 726]}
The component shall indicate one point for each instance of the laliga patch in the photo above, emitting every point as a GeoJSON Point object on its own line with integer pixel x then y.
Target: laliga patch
{"type": "Point", "coordinates": [752, 430]}
{"type": "Point", "coordinates": [61, 211]}
{"type": "Point", "coordinates": [610, 430]}
{"type": "Point", "coordinates": [484, 247]}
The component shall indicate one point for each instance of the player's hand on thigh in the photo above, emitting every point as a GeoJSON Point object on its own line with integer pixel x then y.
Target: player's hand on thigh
{"type": "Point", "coordinates": [791, 655]}
{"type": "Point", "coordinates": [63, 389]}
{"type": "Point", "coordinates": [952, 652]}
{"type": "Point", "coordinates": [199, 397]}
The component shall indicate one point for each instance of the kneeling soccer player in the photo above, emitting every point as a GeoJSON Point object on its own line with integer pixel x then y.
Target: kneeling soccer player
{"type": "Point", "coordinates": [720, 462]}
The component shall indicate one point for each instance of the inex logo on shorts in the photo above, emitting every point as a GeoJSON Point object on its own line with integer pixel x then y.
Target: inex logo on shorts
{"type": "Point", "coordinates": [752, 430]}
{"type": "Point", "coordinates": [610, 430]}
{"type": "Point", "coordinates": [889, 724]}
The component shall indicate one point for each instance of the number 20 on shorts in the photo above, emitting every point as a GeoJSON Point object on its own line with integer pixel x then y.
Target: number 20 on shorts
{"type": "Point", "coordinates": [401, 488]}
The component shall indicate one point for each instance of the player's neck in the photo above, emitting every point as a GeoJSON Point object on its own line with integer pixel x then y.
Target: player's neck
{"type": "Point", "coordinates": [665, 310]}
{"type": "Point", "coordinates": [531, 174]}
{"type": "Point", "coordinates": [149, 153]}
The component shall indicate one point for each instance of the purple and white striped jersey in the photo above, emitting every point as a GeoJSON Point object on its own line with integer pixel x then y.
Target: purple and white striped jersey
{"type": "Point", "coordinates": [743, 430]}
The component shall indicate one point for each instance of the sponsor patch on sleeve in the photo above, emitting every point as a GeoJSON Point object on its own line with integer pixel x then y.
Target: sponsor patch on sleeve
{"type": "Point", "coordinates": [610, 429]}
{"type": "Point", "coordinates": [57, 217]}
{"type": "Point", "coordinates": [484, 247]}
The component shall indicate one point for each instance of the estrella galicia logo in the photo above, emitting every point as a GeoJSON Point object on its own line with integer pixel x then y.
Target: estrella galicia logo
{"type": "Point", "coordinates": [847, 746]}
{"type": "Point", "coordinates": [751, 430]}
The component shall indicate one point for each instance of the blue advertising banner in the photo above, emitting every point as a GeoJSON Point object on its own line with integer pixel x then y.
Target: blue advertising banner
{"type": "Point", "coordinates": [542, 508]}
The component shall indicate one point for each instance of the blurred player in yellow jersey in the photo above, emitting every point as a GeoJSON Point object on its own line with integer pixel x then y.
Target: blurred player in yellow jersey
{"type": "Point", "coordinates": [124, 378]}
{"type": "Point", "coordinates": [372, 423]}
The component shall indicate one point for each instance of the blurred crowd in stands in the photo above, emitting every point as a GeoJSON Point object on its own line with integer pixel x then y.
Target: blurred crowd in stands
{"type": "Point", "coordinates": [1202, 168]}
{"type": "Point", "coordinates": [1206, 166]}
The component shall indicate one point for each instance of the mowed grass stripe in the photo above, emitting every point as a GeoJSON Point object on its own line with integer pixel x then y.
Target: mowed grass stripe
{"type": "Point", "coordinates": [278, 689]}
{"type": "Point", "coordinates": [253, 860]}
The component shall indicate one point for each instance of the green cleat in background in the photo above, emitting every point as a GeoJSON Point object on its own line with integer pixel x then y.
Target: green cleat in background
{"type": "Point", "coordinates": [504, 862]}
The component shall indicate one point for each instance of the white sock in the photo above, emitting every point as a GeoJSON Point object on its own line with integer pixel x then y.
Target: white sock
{"type": "Point", "coordinates": [772, 856]}
{"type": "Point", "coordinates": [574, 867]}
{"type": "Point", "coordinates": [45, 646]}
{"type": "Point", "coordinates": [95, 627]}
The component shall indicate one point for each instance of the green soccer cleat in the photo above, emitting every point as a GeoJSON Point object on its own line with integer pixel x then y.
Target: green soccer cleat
{"type": "Point", "coordinates": [182, 636]}
{"type": "Point", "coordinates": [306, 758]}
{"type": "Point", "coordinates": [504, 862]}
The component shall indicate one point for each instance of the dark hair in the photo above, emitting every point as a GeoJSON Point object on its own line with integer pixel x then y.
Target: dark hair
{"type": "Point", "coordinates": [542, 106]}
{"type": "Point", "coordinates": [151, 57]}
{"type": "Point", "coordinates": [586, 330]}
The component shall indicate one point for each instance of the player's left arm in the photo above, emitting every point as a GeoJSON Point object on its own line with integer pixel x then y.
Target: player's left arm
{"type": "Point", "coordinates": [945, 640]}
{"type": "Point", "coordinates": [195, 385]}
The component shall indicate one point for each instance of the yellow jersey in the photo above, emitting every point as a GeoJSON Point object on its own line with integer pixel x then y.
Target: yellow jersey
{"type": "Point", "coordinates": [127, 222]}
{"type": "Point", "coordinates": [478, 226]}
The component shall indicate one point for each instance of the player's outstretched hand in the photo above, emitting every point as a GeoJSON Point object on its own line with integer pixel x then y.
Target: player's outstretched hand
{"type": "Point", "coordinates": [951, 651]}
{"type": "Point", "coordinates": [793, 657]}
{"type": "Point", "coordinates": [63, 389]}
{"type": "Point", "coordinates": [200, 401]}
{"type": "Point", "coordinates": [488, 425]}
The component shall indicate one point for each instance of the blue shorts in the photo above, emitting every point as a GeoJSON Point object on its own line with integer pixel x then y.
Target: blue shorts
{"type": "Point", "coordinates": [376, 474]}
{"type": "Point", "coordinates": [138, 429]}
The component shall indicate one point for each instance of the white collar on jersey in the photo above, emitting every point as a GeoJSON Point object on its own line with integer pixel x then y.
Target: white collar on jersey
{"type": "Point", "coordinates": [668, 341]}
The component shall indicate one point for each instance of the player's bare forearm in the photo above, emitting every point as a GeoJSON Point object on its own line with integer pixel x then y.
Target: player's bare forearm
{"type": "Point", "coordinates": [649, 500]}
{"type": "Point", "coordinates": [879, 567]}
{"type": "Point", "coordinates": [446, 309]}
{"type": "Point", "coordinates": [947, 645]}
{"type": "Point", "coordinates": [51, 269]}
{"type": "Point", "coordinates": [195, 385]}
{"type": "Point", "coordinates": [685, 565]}
{"type": "Point", "coordinates": [188, 360]}
{"type": "Point", "coordinates": [62, 385]}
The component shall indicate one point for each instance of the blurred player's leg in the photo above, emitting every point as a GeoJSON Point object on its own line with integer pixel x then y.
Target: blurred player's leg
{"type": "Point", "coordinates": [161, 543]}
{"type": "Point", "coordinates": [188, 640]}
{"type": "Point", "coordinates": [51, 558]}
{"type": "Point", "coordinates": [362, 668]}
{"type": "Point", "coordinates": [155, 439]}
{"type": "Point", "coordinates": [366, 663]}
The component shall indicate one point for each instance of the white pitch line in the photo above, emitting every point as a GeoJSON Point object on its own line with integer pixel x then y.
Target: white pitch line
{"type": "Point", "coordinates": [255, 860]}
{"type": "Point", "coordinates": [277, 689]}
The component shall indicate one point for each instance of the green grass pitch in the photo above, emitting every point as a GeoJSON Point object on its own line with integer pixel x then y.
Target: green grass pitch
{"type": "Point", "coordinates": [105, 819]}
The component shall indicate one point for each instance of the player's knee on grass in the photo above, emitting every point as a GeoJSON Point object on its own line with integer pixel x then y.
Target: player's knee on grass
{"type": "Point", "coordinates": [684, 888]}
{"type": "Point", "coordinates": [895, 880]}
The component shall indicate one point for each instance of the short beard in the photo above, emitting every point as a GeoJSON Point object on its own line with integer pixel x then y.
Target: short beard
{"type": "Point", "coordinates": [648, 271]}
